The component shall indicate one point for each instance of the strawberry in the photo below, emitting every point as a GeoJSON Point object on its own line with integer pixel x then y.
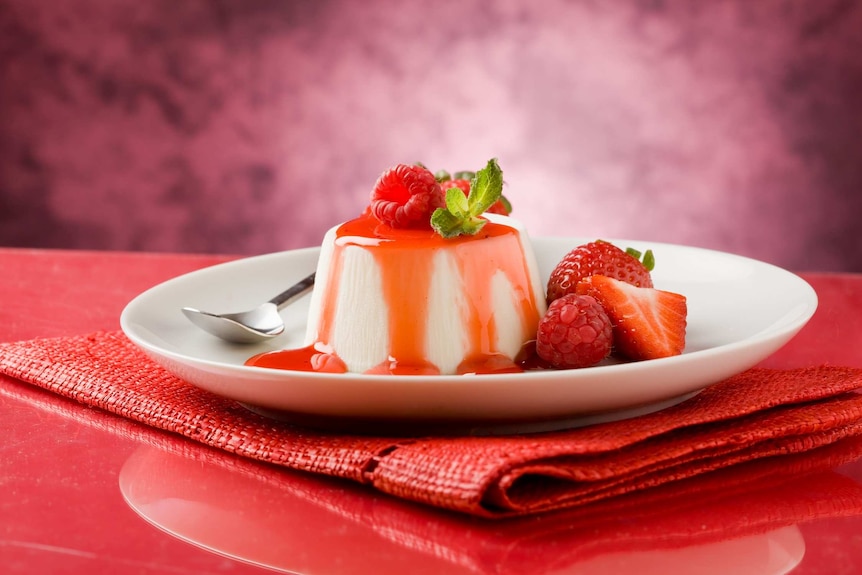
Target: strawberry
{"type": "Point", "coordinates": [599, 258]}
{"type": "Point", "coordinates": [406, 196]}
{"type": "Point", "coordinates": [575, 332]}
{"type": "Point", "coordinates": [501, 207]}
{"type": "Point", "coordinates": [647, 323]}
{"type": "Point", "coordinates": [462, 183]}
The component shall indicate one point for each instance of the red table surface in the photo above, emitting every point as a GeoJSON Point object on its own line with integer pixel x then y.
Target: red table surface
{"type": "Point", "coordinates": [76, 484]}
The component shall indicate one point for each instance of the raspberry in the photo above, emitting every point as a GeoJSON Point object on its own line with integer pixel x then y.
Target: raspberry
{"type": "Point", "coordinates": [575, 332]}
{"type": "Point", "coordinates": [596, 258]}
{"type": "Point", "coordinates": [406, 196]}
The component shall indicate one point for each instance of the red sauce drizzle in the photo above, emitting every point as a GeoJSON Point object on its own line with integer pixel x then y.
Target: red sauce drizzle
{"type": "Point", "coordinates": [315, 357]}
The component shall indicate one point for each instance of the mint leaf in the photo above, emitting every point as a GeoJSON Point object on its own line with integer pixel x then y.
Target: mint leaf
{"type": "Point", "coordinates": [445, 223]}
{"type": "Point", "coordinates": [455, 219]}
{"type": "Point", "coordinates": [457, 203]}
{"type": "Point", "coordinates": [486, 188]}
{"type": "Point", "coordinates": [461, 214]}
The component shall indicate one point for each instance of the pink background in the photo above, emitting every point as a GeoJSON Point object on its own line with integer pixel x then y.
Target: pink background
{"type": "Point", "coordinates": [252, 126]}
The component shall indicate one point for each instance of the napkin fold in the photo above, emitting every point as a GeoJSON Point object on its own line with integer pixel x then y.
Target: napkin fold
{"type": "Point", "coordinates": [757, 414]}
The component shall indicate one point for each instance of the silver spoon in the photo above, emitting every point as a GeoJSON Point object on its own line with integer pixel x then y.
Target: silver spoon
{"type": "Point", "coordinates": [253, 326]}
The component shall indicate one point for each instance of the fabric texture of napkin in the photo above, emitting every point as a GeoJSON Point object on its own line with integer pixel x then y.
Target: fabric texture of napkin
{"type": "Point", "coordinates": [757, 414]}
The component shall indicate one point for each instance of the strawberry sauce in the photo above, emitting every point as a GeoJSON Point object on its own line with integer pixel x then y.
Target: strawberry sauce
{"type": "Point", "coordinates": [406, 262]}
{"type": "Point", "coordinates": [315, 357]}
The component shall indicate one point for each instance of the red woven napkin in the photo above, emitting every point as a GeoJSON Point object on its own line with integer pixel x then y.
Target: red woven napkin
{"type": "Point", "coordinates": [756, 414]}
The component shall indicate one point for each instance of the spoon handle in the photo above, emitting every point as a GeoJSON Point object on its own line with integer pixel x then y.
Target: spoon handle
{"type": "Point", "coordinates": [294, 292]}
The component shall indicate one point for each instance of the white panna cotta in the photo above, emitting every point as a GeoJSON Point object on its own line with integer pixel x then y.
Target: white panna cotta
{"type": "Point", "coordinates": [391, 301]}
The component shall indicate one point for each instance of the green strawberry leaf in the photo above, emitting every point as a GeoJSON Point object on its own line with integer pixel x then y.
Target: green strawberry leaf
{"type": "Point", "coordinates": [648, 260]}
{"type": "Point", "coordinates": [461, 214]}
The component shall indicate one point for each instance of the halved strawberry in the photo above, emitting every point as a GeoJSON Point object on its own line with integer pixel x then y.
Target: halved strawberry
{"type": "Point", "coordinates": [647, 323]}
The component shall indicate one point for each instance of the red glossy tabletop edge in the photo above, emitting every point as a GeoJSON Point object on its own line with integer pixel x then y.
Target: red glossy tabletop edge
{"type": "Point", "coordinates": [61, 506]}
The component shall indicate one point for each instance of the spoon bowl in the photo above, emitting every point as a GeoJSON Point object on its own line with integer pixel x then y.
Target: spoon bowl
{"type": "Point", "coordinates": [252, 326]}
{"type": "Point", "coordinates": [258, 324]}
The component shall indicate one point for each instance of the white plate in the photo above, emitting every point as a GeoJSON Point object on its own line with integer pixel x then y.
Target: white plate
{"type": "Point", "coordinates": [740, 311]}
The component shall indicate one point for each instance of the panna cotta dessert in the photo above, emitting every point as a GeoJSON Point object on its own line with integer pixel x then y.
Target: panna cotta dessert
{"type": "Point", "coordinates": [423, 283]}
{"type": "Point", "coordinates": [409, 301]}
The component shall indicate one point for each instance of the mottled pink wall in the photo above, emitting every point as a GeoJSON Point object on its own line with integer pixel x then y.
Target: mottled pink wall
{"type": "Point", "coordinates": [252, 126]}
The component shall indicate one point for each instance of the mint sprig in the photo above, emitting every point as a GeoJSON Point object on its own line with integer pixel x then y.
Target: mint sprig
{"type": "Point", "coordinates": [461, 214]}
